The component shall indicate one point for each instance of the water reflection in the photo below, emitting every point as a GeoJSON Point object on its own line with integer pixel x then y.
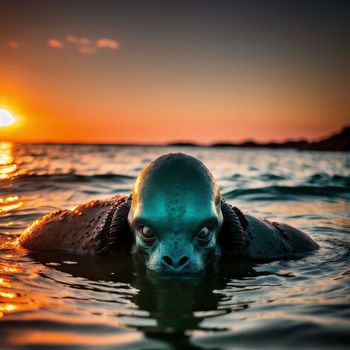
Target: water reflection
{"type": "Point", "coordinates": [8, 167]}
{"type": "Point", "coordinates": [8, 170]}
{"type": "Point", "coordinates": [164, 309]}
{"type": "Point", "coordinates": [5, 297]}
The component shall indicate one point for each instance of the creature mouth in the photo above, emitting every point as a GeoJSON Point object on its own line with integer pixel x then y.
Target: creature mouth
{"type": "Point", "coordinates": [186, 270]}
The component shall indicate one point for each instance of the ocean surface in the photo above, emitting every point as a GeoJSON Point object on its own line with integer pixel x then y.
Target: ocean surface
{"type": "Point", "coordinates": [61, 301]}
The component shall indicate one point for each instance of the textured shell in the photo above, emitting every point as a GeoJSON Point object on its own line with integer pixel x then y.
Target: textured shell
{"type": "Point", "coordinates": [74, 230]}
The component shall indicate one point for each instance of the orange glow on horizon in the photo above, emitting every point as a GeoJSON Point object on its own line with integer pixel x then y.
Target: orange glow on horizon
{"type": "Point", "coordinates": [100, 120]}
{"type": "Point", "coordinates": [140, 124]}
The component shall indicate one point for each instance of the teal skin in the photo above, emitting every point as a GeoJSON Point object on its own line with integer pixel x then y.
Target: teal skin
{"type": "Point", "coordinates": [176, 217]}
{"type": "Point", "coordinates": [175, 214]}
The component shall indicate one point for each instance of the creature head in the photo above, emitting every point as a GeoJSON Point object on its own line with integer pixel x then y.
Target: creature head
{"type": "Point", "coordinates": [175, 215]}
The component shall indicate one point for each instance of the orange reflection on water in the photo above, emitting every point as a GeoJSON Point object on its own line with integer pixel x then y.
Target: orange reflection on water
{"type": "Point", "coordinates": [4, 282]}
{"type": "Point", "coordinates": [12, 299]}
{"type": "Point", "coordinates": [9, 295]}
{"type": "Point", "coordinates": [8, 307]}
{"type": "Point", "coordinates": [8, 166]}
{"type": "Point", "coordinates": [64, 338]}
{"type": "Point", "coordinates": [8, 170]}
{"type": "Point", "coordinates": [9, 203]}
{"type": "Point", "coordinates": [20, 306]}
{"type": "Point", "coordinates": [10, 269]}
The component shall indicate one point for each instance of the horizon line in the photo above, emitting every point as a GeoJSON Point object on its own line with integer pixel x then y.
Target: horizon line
{"type": "Point", "coordinates": [179, 142]}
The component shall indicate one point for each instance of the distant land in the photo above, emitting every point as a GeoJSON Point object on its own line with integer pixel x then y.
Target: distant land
{"type": "Point", "coordinates": [339, 141]}
{"type": "Point", "coordinates": [336, 142]}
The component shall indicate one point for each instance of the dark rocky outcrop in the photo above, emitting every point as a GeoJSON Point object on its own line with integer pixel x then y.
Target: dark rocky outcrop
{"type": "Point", "coordinates": [337, 142]}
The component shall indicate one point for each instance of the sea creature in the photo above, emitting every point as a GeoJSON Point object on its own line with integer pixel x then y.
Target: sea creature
{"type": "Point", "coordinates": [175, 221]}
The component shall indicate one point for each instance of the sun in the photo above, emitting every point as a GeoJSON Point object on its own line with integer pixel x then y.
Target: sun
{"type": "Point", "coordinates": [6, 118]}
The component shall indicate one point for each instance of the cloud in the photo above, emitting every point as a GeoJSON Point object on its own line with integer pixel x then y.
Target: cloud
{"type": "Point", "coordinates": [84, 44]}
{"type": "Point", "coordinates": [57, 44]}
{"type": "Point", "coordinates": [72, 39]}
{"type": "Point", "coordinates": [87, 50]}
{"type": "Point", "coordinates": [13, 44]}
{"type": "Point", "coordinates": [83, 41]}
{"type": "Point", "coordinates": [105, 43]}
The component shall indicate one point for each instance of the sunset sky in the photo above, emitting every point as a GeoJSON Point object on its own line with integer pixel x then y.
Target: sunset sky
{"type": "Point", "coordinates": [158, 71]}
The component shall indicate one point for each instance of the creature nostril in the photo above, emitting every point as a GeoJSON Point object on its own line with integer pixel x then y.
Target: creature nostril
{"type": "Point", "coordinates": [183, 260]}
{"type": "Point", "coordinates": [168, 260]}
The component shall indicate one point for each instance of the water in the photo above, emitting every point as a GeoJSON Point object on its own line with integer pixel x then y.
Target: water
{"type": "Point", "coordinates": [55, 300]}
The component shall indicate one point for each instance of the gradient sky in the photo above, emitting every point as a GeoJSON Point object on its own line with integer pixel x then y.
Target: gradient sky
{"type": "Point", "coordinates": [158, 71]}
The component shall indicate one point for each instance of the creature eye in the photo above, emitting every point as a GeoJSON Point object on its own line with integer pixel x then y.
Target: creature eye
{"type": "Point", "coordinates": [204, 234]}
{"type": "Point", "coordinates": [147, 233]}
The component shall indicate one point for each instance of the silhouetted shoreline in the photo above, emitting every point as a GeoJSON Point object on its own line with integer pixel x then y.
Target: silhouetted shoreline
{"type": "Point", "coordinates": [335, 142]}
